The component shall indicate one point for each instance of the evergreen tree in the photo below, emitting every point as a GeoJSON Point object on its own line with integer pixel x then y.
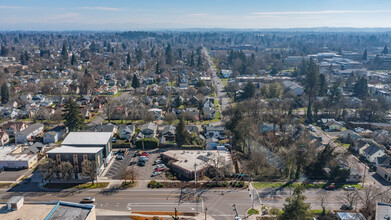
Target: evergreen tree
{"type": "Point", "coordinates": [312, 78]}
{"type": "Point", "coordinates": [365, 55]}
{"type": "Point", "coordinates": [128, 59]}
{"type": "Point", "coordinates": [64, 51]}
{"type": "Point", "coordinates": [361, 88]}
{"type": "Point", "coordinates": [73, 59]}
{"type": "Point", "coordinates": [192, 62]}
{"type": "Point", "coordinates": [169, 57]}
{"type": "Point", "coordinates": [157, 68]}
{"type": "Point", "coordinates": [73, 118]}
{"type": "Point", "coordinates": [5, 93]}
{"type": "Point", "coordinates": [385, 50]}
{"type": "Point", "coordinates": [199, 62]}
{"type": "Point", "coordinates": [135, 81]}
{"type": "Point", "coordinates": [295, 207]}
{"type": "Point", "coordinates": [181, 134]}
{"type": "Point", "coordinates": [322, 85]}
{"type": "Point", "coordinates": [249, 91]}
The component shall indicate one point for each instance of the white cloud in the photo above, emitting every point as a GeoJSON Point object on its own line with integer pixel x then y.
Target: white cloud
{"type": "Point", "coordinates": [65, 15]}
{"type": "Point", "coordinates": [9, 7]}
{"type": "Point", "coordinates": [320, 12]}
{"type": "Point", "coordinates": [102, 8]}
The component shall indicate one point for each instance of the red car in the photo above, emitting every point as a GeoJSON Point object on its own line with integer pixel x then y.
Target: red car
{"type": "Point", "coordinates": [159, 169]}
{"type": "Point", "coordinates": [144, 154]}
{"type": "Point", "coordinates": [330, 187]}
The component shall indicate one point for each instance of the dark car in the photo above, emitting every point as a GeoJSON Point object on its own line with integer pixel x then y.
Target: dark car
{"type": "Point", "coordinates": [88, 200]}
{"type": "Point", "coordinates": [133, 163]}
{"type": "Point", "coordinates": [141, 163]}
{"type": "Point", "coordinates": [27, 180]}
{"type": "Point", "coordinates": [346, 207]}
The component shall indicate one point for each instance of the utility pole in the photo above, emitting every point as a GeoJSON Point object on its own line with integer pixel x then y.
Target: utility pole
{"type": "Point", "coordinates": [195, 174]}
{"type": "Point", "coordinates": [252, 202]}
{"type": "Point", "coordinates": [206, 209]}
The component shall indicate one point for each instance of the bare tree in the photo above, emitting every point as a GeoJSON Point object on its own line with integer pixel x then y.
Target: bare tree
{"type": "Point", "coordinates": [349, 198]}
{"type": "Point", "coordinates": [368, 197]}
{"type": "Point", "coordinates": [170, 117]}
{"type": "Point", "coordinates": [323, 201]}
{"type": "Point", "coordinates": [89, 169]}
{"type": "Point", "coordinates": [129, 175]}
{"type": "Point", "coordinates": [66, 170]}
{"type": "Point", "coordinates": [48, 170]}
{"type": "Point", "coordinates": [109, 109]}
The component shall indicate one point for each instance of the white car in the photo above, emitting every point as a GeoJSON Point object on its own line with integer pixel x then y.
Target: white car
{"type": "Point", "coordinates": [143, 158]}
{"type": "Point", "coordinates": [156, 173]}
{"type": "Point", "coordinates": [349, 188]}
{"type": "Point", "coordinates": [161, 166]}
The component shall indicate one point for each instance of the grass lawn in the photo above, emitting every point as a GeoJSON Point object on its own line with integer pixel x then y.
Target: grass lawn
{"type": "Point", "coordinates": [250, 212]}
{"type": "Point", "coordinates": [5, 185]}
{"type": "Point", "coordinates": [261, 185]}
{"type": "Point", "coordinates": [76, 185]}
{"type": "Point", "coordinates": [218, 116]}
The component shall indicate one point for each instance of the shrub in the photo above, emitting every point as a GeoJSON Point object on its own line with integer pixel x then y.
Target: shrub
{"type": "Point", "coordinates": [153, 184]}
{"type": "Point", "coordinates": [237, 184]}
{"type": "Point", "coordinates": [250, 211]}
{"type": "Point", "coordinates": [148, 143]}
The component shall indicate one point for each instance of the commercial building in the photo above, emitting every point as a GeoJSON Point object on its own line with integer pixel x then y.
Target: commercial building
{"type": "Point", "coordinates": [76, 156]}
{"type": "Point", "coordinates": [15, 158]}
{"type": "Point", "coordinates": [186, 162]}
{"type": "Point", "coordinates": [47, 211]}
{"type": "Point", "coordinates": [91, 139]}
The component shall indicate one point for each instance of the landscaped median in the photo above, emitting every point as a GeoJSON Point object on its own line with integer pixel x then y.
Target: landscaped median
{"type": "Point", "coordinates": [177, 184]}
{"type": "Point", "coordinates": [261, 185]}
{"type": "Point", "coordinates": [76, 185]}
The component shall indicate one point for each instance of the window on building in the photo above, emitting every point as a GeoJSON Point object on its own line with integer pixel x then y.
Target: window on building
{"type": "Point", "coordinates": [58, 158]}
{"type": "Point", "coordinates": [75, 161]}
{"type": "Point", "coordinates": [76, 169]}
{"type": "Point", "coordinates": [85, 157]}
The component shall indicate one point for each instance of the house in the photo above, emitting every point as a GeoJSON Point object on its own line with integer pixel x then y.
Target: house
{"type": "Point", "coordinates": [348, 135]}
{"type": "Point", "coordinates": [85, 99]}
{"type": "Point", "coordinates": [384, 169]}
{"type": "Point", "coordinates": [76, 156]}
{"type": "Point", "coordinates": [209, 102]}
{"type": "Point", "coordinates": [209, 113]}
{"type": "Point", "coordinates": [104, 128]}
{"type": "Point", "coordinates": [156, 112]}
{"type": "Point", "coordinates": [126, 131]}
{"type": "Point", "coordinates": [14, 126]}
{"type": "Point", "coordinates": [211, 143]}
{"type": "Point", "coordinates": [30, 132]}
{"type": "Point", "coordinates": [385, 159]}
{"type": "Point", "coordinates": [16, 158]}
{"type": "Point", "coordinates": [332, 125]}
{"type": "Point", "coordinates": [214, 131]}
{"type": "Point", "coordinates": [54, 135]}
{"type": "Point", "coordinates": [169, 132]}
{"type": "Point", "coordinates": [36, 148]}
{"type": "Point", "coordinates": [226, 73]}
{"type": "Point", "coordinates": [148, 130]}
{"type": "Point", "coordinates": [4, 138]}
{"type": "Point", "coordinates": [91, 139]}
{"type": "Point", "coordinates": [266, 127]}
{"type": "Point", "coordinates": [193, 129]}
{"type": "Point", "coordinates": [86, 113]}
{"type": "Point", "coordinates": [360, 145]}
{"type": "Point", "coordinates": [354, 176]}
{"type": "Point", "coordinates": [371, 152]}
{"type": "Point", "coordinates": [293, 87]}
{"type": "Point", "coordinates": [383, 211]}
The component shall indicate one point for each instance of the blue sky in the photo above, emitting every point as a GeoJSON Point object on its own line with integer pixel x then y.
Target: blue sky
{"type": "Point", "coordinates": [150, 14]}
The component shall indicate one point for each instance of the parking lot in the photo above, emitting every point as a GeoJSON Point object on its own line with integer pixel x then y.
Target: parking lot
{"type": "Point", "coordinates": [118, 167]}
{"type": "Point", "coordinates": [9, 175]}
{"type": "Point", "coordinates": [130, 161]}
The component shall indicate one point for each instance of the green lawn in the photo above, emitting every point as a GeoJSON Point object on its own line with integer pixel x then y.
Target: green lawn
{"type": "Point", "coordinates": [250, 212]}
{"type": "Point", "coordinates": [90, 186]}
{"type": "Point", "coordinates": [261, 185]}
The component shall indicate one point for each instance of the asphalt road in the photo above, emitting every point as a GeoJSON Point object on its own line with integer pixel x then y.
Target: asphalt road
{"type": "Point", "coordinates": [219, 203]}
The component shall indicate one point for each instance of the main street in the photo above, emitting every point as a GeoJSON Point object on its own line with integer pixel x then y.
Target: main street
{"type": "Point", "coordinates": [218, 202]}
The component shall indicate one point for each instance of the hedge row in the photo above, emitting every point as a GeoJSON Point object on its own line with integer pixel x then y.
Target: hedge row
{"type": "Point", "coordinates": [148, 143]}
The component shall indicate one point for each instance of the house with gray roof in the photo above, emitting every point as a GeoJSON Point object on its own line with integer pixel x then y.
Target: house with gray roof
{"type": "Point", "coordinates": [372, 152]}
{"type": "Point", "coordinates": [30, 132]}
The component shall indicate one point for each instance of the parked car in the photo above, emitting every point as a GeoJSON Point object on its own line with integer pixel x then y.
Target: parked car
{"type": "Point", "coordinates": [132, 163]}
{"type": "Point", "coordinates": [349, 188]}
{"type": "Point", "coordinates": [159, 169]}
{"type": "Point", "coordinates": [119, 157]}
{"type": "Point", "coordinates": [156, 173]}
{"type": "Point", "coordinates": [136, 154]}
{"type": "Point", "coordinates": [141, 163]}
{"type": "Point", "coordinates": [114, 140]}
{"type": "Point", "coordinates": [161, 166]}
{"type": "Point", "coordinates": [346, 207]}
{"type": "Point", "coordinates": [157, 162]}
{"type": "Point", "coordinates": [88, 200]}
{"type": "Point", "coordinates": [144, 154]}
{"type": "Point", "coordinates": [144, 158]}
{"type": "Point", "coordinates": [330, 187]}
